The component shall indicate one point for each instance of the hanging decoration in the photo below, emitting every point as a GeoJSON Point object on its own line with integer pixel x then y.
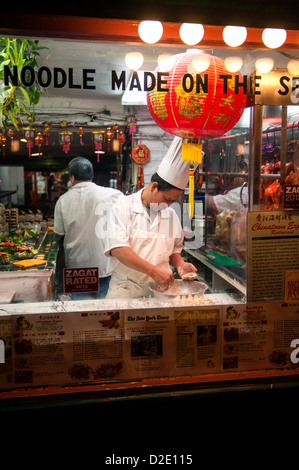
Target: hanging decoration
{"type": "Point", "coordinates": [98, 139]}
{"type": "Point", "coordinates": [39, 140]}
{"type": "Point", "coordinates": [3, 141]}
{"type": "Point", "coordinates": [11, 133]}
{"type": "Point", "coordinates": [81, 132]}
{"type": "Point", "coordinates": [109, 134]}
{"type": "Point", "coordinates": [65, 140]}
{"type": "Point", "coordinates": [132, 125]}
{"type": "Point", "coordinates": [197, 106]}
{"type": "Point", "coordinates": [115, 128]}
{"type": "Point", "coordinates": [46, 135]}
{"type": "Point", "coordinates": [29, 133]}
{"type": "Point", "coordinates": [63, 123]}
{"type": "Point", "coordinates": [121, 138]}
{"type": "Point", "coordinates": [140, 155]}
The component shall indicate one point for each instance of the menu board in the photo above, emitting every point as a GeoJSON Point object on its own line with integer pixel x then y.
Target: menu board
{"type": "Point", "coordinates": [69, 348]}
{"type": "Point", "coordinates": [272, 250]}
{"type": "Point", "coordinates": [197, 341]}
{"type": "Point", "coordinates": [149, 348]}
{"type": "Point", "coordinates": [258, 336]}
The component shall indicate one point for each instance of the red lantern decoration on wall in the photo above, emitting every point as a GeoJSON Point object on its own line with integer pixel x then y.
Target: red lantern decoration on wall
{"type": "Point", "coordinates": [29, 133]}
{"type": "Point", "coordinates": [65, 140]}
{"type": "Point", "coordinates": [81, 132]}
{"type": "Point", "coordinates": [3, 141]}
{"type": "Point", "coordinates": [39, 140]}
{"type": "Point", "coordinates": [140, 155]}
{"type": "Point", "coordinates": [115, 128]}
{"type": "Point", "coordinates": [46, 133]}
{"type": "Point", "coordinates": [197, 105]}
{"type": "Point", "coordinates": [121, 138]}
{"type": "Point", "coordinates": [109, 134]}
{"type": "Point", "coordinates": [11, 133]}
{"type": "Point", "coordinates": [132, 125]}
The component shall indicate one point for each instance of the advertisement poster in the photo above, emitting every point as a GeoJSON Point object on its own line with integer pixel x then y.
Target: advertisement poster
{"type": "Point", "coordinates": [66, 348]}
{"type": "Point", "coordinates": [258, 336]}
{"type": "Point", "coordinates": [272, 249]}
{"type": "Point", "coordinates": [197, 341]}
{"type": "Point", "coordinates": [148, 343]}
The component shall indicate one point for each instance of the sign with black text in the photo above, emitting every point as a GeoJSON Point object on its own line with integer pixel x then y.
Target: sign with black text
{"type": "Point", "coordinates": [81, 280]}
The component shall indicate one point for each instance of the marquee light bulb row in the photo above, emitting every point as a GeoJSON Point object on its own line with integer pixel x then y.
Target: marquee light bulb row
{"type": "Point", "coordinates": [192, 33]}
{"type": "Point", "coordinates": [134, 60]}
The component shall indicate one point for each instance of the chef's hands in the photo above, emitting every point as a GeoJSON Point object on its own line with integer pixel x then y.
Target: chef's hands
{"type": "Point", "coordinates": [187, 271]}
{"type": "Point", "coordinates": [162, 277]}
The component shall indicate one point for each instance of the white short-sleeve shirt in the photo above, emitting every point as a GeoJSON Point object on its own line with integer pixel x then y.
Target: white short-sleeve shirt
{"type": "Point", "coordinates": [81, 216]}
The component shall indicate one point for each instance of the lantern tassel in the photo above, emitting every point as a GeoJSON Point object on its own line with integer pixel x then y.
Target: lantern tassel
{"type": "Point", "coordinates": [191, 150]}
{"type": "Point", "coordinates": [191, 190]}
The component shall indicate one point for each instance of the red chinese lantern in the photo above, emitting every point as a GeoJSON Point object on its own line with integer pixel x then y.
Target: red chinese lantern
{"type": "Point", "coordinates": [39, 140]}
{"type": "Point", "coordinates": [197, 105]}
{"type": "Point", "coordinates": [121, 138]}
{"type": "Point", "coordinates": [29, 133]}
{"type": "Point", "coordinates": [115, 128]}
{"type": "Point", "coordinates": [140, 155]}
{"type": "Point", "coordinates": [65, 140]}
{"type": "Point", "coordinates": [3, 143]}
{"type": "Point", "coordinates": [109, 134]}
{"type": "Point", "coordinates": [81, 132]}
{"type": "Point", "coordinates": [132, 125]}
{"type": "Point", "coordinates": [11, 133]}
{"type": "Point", "coordinates": [46, 133]}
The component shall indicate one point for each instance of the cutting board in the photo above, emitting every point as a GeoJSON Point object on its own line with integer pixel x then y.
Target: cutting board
{"type": "Point", "coordinates": [222, 259]}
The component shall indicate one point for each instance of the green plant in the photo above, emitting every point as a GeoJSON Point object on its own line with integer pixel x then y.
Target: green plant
{"type": "Point", "coordinates": [19, 99]}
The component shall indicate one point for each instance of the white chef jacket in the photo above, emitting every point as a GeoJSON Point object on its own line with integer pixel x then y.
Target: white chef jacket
{"type": "Point", "coordinates": [154, 236]}
{"type": "Point", "coordinates": [81, 216]}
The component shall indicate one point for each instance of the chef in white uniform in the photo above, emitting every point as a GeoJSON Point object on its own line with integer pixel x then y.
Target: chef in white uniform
{"type": "Point", "coordinates": [144, 236]}
{"type": "Point", "coordinates": [77, 216]}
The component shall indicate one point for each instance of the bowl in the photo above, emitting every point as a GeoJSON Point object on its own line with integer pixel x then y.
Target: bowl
{"type": "Point", "coordinates": [179, 288]}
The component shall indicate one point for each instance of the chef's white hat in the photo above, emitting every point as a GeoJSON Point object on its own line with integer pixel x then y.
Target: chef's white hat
{"type": "Point", "coordinates": [172, 168]}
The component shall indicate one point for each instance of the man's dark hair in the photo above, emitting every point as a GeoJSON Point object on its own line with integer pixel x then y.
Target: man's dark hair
{"type": "Point", "coordinates": [162, 184]}
{"type": "Point", "coordinates": [81, 169]}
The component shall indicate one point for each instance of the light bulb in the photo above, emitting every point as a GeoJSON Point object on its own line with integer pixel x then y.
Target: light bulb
{"type": "Point", "coordinates": [264, 65]}
{"type": "Point", "coordinates": [234, 36]}
{"type": "Point", "coordinates": [293, 67]}
{"type": "Point", "coordinates": [191, 33]}
{"type": "Point", "coordinates": [134, 60]}
{"type": "Point", "coordinates": [273, 37]}
{"type": "Point", "coordinates": [166, 62]}
{"type": "Point", "coordinates": [233, 64]}
{"type": "Point", "coordinates": [150, 31]}
{"type": "Point", "coordinates": [201, 63]}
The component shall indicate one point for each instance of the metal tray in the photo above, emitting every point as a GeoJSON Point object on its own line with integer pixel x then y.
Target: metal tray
{"type": "Point", "coordinates": [179, 288]}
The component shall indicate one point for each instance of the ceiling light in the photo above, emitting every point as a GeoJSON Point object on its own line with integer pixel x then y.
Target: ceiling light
{"type": "Point", "coordinates": [134, 60]}
{"type": "Point", "coordinates": [191, 33]}
{"type": "Point", "coordinates": [201, 63]}
{"type": "Point", "coordinates": [293, 67]}
{"type": "Point", "coordinates": [273, 37]}
{"type": "Point", "coordinates": [264, 65]}
{"type": "Point", "coordinates": [234, 36]}
{"type": "Point", "coordinates": [166, 62]}
{"type": "Point", "coordinates": [150, 31]}
{"type": "Point", "coordinates": [233, 64]}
